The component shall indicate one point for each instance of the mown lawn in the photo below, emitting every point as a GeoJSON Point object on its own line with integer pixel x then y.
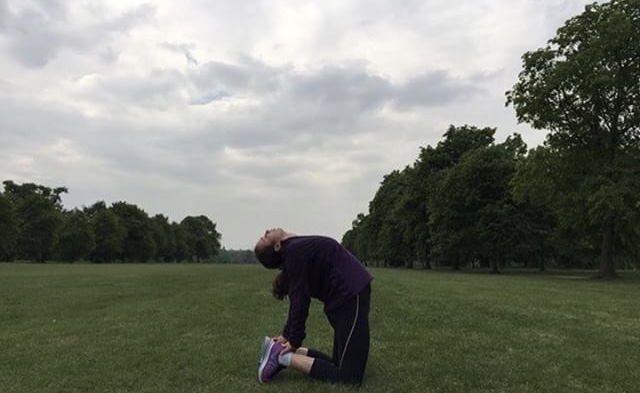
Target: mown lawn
{"type": "Point", "coordinates": [196, 328]}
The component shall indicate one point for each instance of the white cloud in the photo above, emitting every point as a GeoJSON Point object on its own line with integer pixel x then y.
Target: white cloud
{"type": "Point", "coordinates": [256, 113]}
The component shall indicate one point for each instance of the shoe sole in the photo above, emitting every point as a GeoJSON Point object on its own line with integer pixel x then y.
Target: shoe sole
{"type": "Point", "coordinates": [263, 349]}
{"type": "Point", "coordinates": [264, 362]}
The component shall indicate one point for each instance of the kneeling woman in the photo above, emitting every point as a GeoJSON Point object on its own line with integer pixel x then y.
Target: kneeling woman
{"type": "Point", "coordinates": [318, 267]}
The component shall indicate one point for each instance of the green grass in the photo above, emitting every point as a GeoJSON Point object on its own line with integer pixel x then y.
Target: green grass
{"type": "Point", "coordinates": [196, 328]}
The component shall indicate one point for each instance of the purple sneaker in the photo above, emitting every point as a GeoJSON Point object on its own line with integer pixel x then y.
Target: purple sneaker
{"type": "Point", "coordinates": [270, 365]}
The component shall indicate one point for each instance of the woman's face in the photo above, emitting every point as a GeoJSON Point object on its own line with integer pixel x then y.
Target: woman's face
{"type": "Point", "coordinates": [271, 237]}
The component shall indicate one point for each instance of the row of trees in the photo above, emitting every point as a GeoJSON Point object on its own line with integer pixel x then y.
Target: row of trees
{"type": "Point", "coordinates": [453, 207]}
{"type": "Point", "coordinates": [236, 256]}
{"type": "Point", "coordinates": [34, 226]}
{"type": "Point", "coordinates": [574, 202]}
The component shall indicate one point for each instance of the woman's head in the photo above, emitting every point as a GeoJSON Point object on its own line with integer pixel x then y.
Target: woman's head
{"type": "Point", "coordinates": [267, 256]}
{"type": "Point", "coordinates": [268, 246]}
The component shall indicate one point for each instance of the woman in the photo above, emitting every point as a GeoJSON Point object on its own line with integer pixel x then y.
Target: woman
{"type": "Point", "coordinates": [318, 267]}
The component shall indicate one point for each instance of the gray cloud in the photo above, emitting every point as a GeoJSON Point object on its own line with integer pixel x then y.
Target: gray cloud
{"type": "Point", "coordinates": [298, 116]}
{"type": "Point", "coordinates": [55, 9]}
{"type": "Point", "coordinates": [23, 124]}
{"type": "Point", "coordinates": [247, 74]}
{"type": "Point", "coordinates": [160, 89]}
{"type": "Point", "coordinates": [124, 22]}
{"type": "Point", "coordinates": [4, 15]}
{"type": "Point", "coordinates": [289, 103]}
{"type": "Point", "coordinates": [290, 116]}
{"type": "Point", "coordinates": [184, 49]}
{"type": "Point", "coordinates": [38, 31]}
{"type": "Point", "coordinates": [349, 88]}
{"type": "Point", "coordinates": [435, 89]}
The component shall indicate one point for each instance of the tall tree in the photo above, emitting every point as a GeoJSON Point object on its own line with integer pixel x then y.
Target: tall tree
{"type": "Point", "coordinates": [396, 229]}
{"type": "Point", "coordinates": [8, 229]}
{"type": "Point", "coordinates": [77, 239]}
{"type": "Point", "coordinates": [138, 244]}
{"type": "Point", "coordinates": [583, 87]}
{"type": "Point", "coordinates": [39, 215]}
{"type": "Point", "coordinates": [179, 234]}
{"type": "Point", "coordinates": [204, 240]}
{"type": "Point", "coordinates": [474, 218]}
{"type": "Point", "coordinates": [163, 237]}
{"type": "Point", "coordinates": [431, 169]}
{"type": "Point", "coordinates": [390, 246]}
{"type": "Point", "coordinates": [358, 238]}
{"type": "Point", "coordinates": [109, 235]}
{"type": "Point", "coordinates": [557, 228]}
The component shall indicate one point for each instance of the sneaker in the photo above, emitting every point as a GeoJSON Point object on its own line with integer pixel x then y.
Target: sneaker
{"type": "Point", "coordinates": [270, 365]}
{"type": "Point", "coordinates": [263, 348]}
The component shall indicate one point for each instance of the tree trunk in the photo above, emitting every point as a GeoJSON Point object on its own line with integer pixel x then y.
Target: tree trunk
{"type": "Point", "coordinates": [542, 266]}
{"type": "Point", "coordinates": [607, 266]}
{"type": "Point", "coordinates": [495, 260]}
{"type": "Point", "coordinates": [456, 263]}
{"type": "Point", "coordinates": [410, 264]}
{"type": "Point", "coordinates": [494, 266]}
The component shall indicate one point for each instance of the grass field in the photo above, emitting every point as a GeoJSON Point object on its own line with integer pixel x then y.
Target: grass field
{"type": "Point", "coordinates": [196, 328]}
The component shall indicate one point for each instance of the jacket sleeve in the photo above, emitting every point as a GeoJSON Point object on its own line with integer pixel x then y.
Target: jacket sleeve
{"type": "Point", "coordinates": [299, 301]}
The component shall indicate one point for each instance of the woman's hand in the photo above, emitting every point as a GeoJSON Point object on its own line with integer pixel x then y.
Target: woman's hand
{"type": "Point", "coordinates": [286, 344]}
{"type": "Point", "coordinates": [280, 340]}
{"type": "Point", "coordinates": [288, 348]}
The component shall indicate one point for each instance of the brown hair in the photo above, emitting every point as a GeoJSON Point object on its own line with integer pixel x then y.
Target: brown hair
{"type": "Point", "coordinates": [268, 257]}
{"type": "Point", "coordinates": [280, 286]}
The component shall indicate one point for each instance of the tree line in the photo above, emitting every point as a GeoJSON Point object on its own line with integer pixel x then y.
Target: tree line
{"type": "Point", "coordinates": [34, 226]}
{"type": "Point", "coordinates": [572, 202]}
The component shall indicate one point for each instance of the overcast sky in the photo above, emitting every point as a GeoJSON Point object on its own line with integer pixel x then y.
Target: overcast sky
{"type": "Point", "coordinates": [254, 113]}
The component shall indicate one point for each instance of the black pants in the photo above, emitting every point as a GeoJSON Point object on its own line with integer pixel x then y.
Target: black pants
{"type": "Point", "coordinates": [350, 323]}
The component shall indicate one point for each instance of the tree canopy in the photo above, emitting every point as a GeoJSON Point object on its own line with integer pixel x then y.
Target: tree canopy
{"type": "Point", "coordinates": [35, 226]}
{"type": "Point", "coordinates": [572, 202]}
{"type": "Point", "coordinates": [452, 207]}
{"type": "Point", "coordinates": [583, 87]}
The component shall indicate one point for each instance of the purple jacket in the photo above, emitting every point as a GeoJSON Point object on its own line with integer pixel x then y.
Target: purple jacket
{"type": "Point", "coordinates": [318, 267]}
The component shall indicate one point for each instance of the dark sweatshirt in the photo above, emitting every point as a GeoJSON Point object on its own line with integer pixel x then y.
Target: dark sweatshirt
{"type": "Point", "coordinates": [318, 267]}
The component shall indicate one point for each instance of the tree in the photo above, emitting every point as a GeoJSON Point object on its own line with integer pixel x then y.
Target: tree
{"type": "Point", "coordinates": [138, 244]}
{"type": "Point", "coordinates": [203, 239]}
{"type": "Point", "coordinates": [91, 211]}
{"type": "Point", "coordinates": [8, 229]}
{"type": "Point", "coordinates": [180, 235]}
{"type": "Point", "coordinates": [236, 256]}
{"type": "Point", "coordinates": [109, 235]}
{"type": "Point", "coordinates": [409, 213]}
{"type": "Point", "coordinates": [431, 169]}
{"type": "Point", "coordinates": [396, 229]}
{"type": "Point", "coordinates": [163, 238]}
{"type": "Point", "coordinates": [358, 238]}
{"type": "Point", "coordinates": [77, 239]}
{"type": "Point", "coordinates": [390, 247]}
{"type": "Point", "coordinates": [583, 87]}
{"type": "Point", "coordinates": [39, 215]}
{"type": "Point", "coordinates": [473, 215]}
{"type": "Point", "coordinates": [557, 230]}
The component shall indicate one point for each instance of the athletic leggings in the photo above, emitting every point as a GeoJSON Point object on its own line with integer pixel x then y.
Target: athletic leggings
{"type": "Point", "coordinates": [350, 323]}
